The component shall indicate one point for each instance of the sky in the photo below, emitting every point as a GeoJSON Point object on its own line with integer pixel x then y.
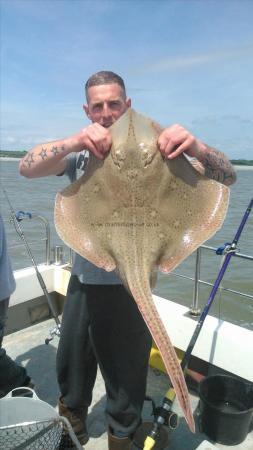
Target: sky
{"type": "Point", "coordinates": [183, 61]}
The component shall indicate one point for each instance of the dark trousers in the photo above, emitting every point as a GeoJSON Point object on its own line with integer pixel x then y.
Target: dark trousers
{"type": "Point", "coordinates": [11, 374]}
{"type": "Point", "coordinates": [102, 323]}
{"type": "Point", "coordinates": [4, 304]}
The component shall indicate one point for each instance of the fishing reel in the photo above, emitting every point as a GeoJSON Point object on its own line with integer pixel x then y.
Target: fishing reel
{"type": "Point", "coordinates": [157, 431]}
{"type": "Point", "coordinates": [56, 331]}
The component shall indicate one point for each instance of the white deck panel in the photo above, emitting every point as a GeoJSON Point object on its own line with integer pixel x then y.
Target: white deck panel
{"type": "Point", "coordinates": [221, 343]}
{"type": "Point", "coordinates": [28, 348]}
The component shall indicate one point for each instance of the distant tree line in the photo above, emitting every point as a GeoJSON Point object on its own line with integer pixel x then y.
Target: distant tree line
{"type": "Point", "coordinates": [242, 162]}
{"type": "Point", "coordinates": [22, 153]}
{"type": "Point", "coordinates": [12, 154]}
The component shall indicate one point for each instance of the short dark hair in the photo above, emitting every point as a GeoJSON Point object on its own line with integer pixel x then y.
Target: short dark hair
{"type": "Point", "coordinates": [104, 77]}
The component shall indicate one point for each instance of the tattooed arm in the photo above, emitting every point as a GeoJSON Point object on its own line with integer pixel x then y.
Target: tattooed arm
{"type": "Point", "coordinates": [45, 159]}
{"type": "Point", "coordinates": [175, 140]}
{"type": "Point", "coordinates": [216, 166]}
{"type": "Point", "coordinates": [50, 159]}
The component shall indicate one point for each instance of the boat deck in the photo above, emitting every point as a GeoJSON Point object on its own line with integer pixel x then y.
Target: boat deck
{"type": "Point", "coordinates": [28, 348]}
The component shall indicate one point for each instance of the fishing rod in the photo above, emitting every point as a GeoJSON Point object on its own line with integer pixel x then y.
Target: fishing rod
{"type": "Point", "coordinates": [165, 411]}
{"type": "Point", "coordinates": [16, 221]}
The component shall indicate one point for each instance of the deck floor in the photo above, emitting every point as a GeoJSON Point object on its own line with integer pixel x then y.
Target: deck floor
{"type": "Point", "coordinates": [28, 348]}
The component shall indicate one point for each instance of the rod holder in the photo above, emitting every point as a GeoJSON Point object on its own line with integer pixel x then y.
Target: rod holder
{"type": "Point", "coordinates": [58, 255]}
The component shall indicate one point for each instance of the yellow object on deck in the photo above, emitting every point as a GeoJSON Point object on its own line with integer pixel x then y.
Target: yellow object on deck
{"type": "Point", "coordinates": [155, 359]}
{"type": "Point", "coordinates": [149, 443]}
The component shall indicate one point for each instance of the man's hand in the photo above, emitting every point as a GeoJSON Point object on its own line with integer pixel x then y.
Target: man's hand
{"type": "Point", "coordinates": [212, 163]}
{"type": "Point", "coordinates": [96, 139]}
{"type": "Point", "coordinates": [175, 140]}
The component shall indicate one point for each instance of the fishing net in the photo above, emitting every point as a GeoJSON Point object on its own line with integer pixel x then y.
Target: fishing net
{"type": "Point", "coordinates": [39, 435]}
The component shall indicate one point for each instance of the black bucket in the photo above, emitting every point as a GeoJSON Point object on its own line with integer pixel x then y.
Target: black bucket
{"type": "Point", "coordinates": [226, 408]}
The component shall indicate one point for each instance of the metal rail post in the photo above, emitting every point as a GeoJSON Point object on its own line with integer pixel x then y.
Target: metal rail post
{"type": "Point", "coordinates": [195, 310]}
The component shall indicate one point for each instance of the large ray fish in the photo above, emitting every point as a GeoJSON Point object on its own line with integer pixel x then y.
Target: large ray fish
{"type": "Point", "coordinates": [137, 212]}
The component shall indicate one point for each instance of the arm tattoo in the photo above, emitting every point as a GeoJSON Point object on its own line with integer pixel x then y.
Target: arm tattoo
{"type": "Point", "coordinates": [55, 150]}
{"type": "Point", "coordinates": [43, 153]}
{"type": "Point", "coordinates": [29, 159]}
{"type": "Point", "coordinates": [218, 167]}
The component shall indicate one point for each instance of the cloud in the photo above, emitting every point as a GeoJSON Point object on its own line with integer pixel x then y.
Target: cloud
{"type": "Point", "coordinates": [230, 133]}
{"type": "Point", "coordinates": [10, 140]}
{"type": "Point", "coordinates": [185, 62]}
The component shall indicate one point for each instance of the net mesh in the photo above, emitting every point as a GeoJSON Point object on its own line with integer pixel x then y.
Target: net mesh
{"type": "Point", "coordinates": [44, 435]}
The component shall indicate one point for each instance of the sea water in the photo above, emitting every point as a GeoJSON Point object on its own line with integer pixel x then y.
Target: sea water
{"type": "Point", "coordinates": [37, 197]}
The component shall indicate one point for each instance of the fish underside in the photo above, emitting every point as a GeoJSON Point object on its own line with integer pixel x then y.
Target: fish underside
{"type": "Point", "coordinates": [137, 212]}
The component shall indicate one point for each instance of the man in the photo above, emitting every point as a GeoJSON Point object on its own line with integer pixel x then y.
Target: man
{"type": "Point", "coordinates": [11, 374]}
{"type": "Point", "coordinates": [99, 315]}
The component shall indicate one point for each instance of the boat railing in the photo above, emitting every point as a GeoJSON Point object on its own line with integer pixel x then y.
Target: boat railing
{"type": "Point", "coordinates": [194, 309]}
{"type": "Point", "coordinates": [58, 258]}
{"type": "Point", "coordinates": [53, 255]}
{"type": "Point", "coordinates": [46, 238]}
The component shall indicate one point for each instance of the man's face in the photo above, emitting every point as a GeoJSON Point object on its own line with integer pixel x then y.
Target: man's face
{"type": "Point", "coordinates": [106, 103]}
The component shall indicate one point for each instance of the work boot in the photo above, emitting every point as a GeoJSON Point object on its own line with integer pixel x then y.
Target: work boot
{"type": "Point", "coordinates": [76, 418]}
{"type": "Point", "coordinates": [12, 375]}
{"type": "Point", "coordinates": [117, 443]}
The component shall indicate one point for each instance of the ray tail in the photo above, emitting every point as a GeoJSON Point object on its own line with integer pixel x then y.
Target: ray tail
{"type": "Point", "coordinates": [139, 287]}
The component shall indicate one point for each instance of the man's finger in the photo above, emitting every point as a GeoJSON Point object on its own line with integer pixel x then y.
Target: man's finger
{"type": "Point", "coordinates": [161, 143]}
{"type": "Point", "coordinates": [108, 143]}
{"type": "Point", "coordinates": [92, 148]}
{"type": "Point", "coordinates": [179, 149]}
{"type": "Point", "coordinates": [101, 139]}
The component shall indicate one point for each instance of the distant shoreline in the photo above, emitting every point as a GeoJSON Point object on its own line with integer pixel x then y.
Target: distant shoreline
{"type": "Point", "coordinates": [7, 158]}
{"type": "Point", "coordinates": [237, 167]}
{"type": "Point", "coordinates": [242, 167]}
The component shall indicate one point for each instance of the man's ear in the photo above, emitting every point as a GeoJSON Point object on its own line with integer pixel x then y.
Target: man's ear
{"type": "Point", "coordinates": [128, 102]}
{"type": "Point", "coordinates": [86, 109]}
